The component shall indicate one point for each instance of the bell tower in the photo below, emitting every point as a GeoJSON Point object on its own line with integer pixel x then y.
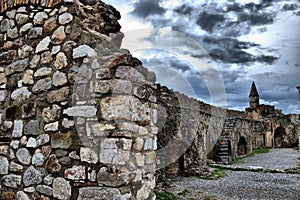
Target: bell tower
{"type": "Point", "coordinates": [253, 97]}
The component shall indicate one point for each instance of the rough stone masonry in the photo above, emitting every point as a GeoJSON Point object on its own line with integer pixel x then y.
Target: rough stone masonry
{"type": "Point", "coordinates": [71, 123]}
{"type": "Point", "coordinates": [81, 118]}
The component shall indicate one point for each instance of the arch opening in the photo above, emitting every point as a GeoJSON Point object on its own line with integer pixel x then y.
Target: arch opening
{"type": "Point", "coordinates": [242, 146]}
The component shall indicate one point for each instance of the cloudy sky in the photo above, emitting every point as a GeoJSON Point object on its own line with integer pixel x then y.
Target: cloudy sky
{"type": "Point", "coordinates": [214, 49]}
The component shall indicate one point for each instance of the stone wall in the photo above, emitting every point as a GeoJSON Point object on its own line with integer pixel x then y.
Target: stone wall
{"type": "Point", "coordinates": [73, 124]}
{"type": "Point", "coordinates": [82, 119]}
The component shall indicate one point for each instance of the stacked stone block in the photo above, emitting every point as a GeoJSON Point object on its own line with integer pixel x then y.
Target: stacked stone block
{"type": "Point", "coordinates": [72, 122]}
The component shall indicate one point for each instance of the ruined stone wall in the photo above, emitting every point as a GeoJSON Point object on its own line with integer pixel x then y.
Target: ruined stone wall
{"type": "Point", "coordinates": [72, 125]}
{"type": "Point", "coordinates": [82, 119]}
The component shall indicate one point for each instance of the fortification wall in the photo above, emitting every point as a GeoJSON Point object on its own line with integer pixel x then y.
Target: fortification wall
{"type": "Point", "coordinates": [82, 119]}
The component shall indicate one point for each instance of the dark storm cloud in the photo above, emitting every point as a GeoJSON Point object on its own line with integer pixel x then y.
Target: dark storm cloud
{"type": "Point", "coordinates": [145, 8]}
{"type": "Point", "coordinates": [208, 21]}
{"type": "Point", "coordinates": [256, 19]}
{"type": "Point", "coordinates": [229, 50]}
{"type": "Point", "coordinates": [184, 10]}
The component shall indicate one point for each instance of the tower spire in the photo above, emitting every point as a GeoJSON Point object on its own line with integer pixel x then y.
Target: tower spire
{"type": "Point", "coordinates": [253, 91]}
{"type": "Point", "coordinates": [254, 97]}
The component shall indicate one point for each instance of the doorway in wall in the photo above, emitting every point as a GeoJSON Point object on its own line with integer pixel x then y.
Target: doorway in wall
{"type": "Point", "coordinates": [242, 146]}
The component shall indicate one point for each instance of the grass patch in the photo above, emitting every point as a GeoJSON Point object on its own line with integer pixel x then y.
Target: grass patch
{"type": "Point", "coordinates": [260, 151]}
{"type": "Point", "coordinates": [218, 173]}
{"type": "Point", "coordinates": [165, 195]}
{"type": "Point", "coordinates": [209, 197]}
{"type": "Point", "coordinates": [236, 160]}
{"type": "Point", "coordinates": [254, 152]}
{"type": "Point", "coordinates": [184, 192]}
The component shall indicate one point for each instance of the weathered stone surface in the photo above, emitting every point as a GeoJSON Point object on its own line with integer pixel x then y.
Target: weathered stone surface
{"type": "Point", "coordinates": [43, 45]}
{"type": "Point", "coordinates": [40, 18]}
{"type": "Point", "coordinates": [42, 85]}
{"type": "Point", "coordinates": [22, 196]}
{"type": "Point", "coordinates": [25, 28]}
{"type": "Point", "coordinates": [61, 189]}
{"type": "Point", "coordinates": [3, 165]}
{"type": "Point", "coordinates": [99, 129]}
{"type": "Point", "coordinates": [99, 193]}
{"type": "Point", "coordinates": [75, 173]}
{"type": "Point", "coordinates": [113, 86]}
{"type": "Point", "coordinates": [148, 145]}
{"type": "Point", "coordinates": [124, 107]}
{"type": "Point", "coordinates": [43, 189]}
{"type": "Point", "coordinates": [55, 49]}
{"type": "Point", "coordinates": [58, 95]}
{"type": "Point", "coordinates": [102, 73]}
{"type": "Point", "coordinates": [32, 177]}
{"type": "Point", "coordinates": [88, 155]}
{"type": "Point", "coordinates": [20, 94]}
{"type": "Point", "coordinates": [38, 158]}
{"type": "Point", "coordinates": [42, 139]}
{"type": "Point", "coordinates": [14, 167]}
{"type": "Point", "coordinates": [83, 51]}
{"type": "Point", "coordinates": [21, 19]}
{"type": "Point", "coordinates": [13, 33]}
{"type": "Point", "coordinates": [28, 77]}
{"type": "Point", "coordinates": [17, 66]}
{"type": "Point", "coordinates": [11, 180]}
{"type": "Point", "coordinates": [35, 32]}
{"type": "Point", "coordinates": [11, 14]}
{"type": "Point", "coordinates": [24, 51]}
{"type": "Point", "coordinates": [59, 35]}
{"type": "Point", "coordinates": [5, 25]}
{"type": "Point", "coordinates": [51, 127]}
{"type": "Point", "coordinates": [113, 179]}
{"type": "Point", "coordinates": [81, 111]}
{"type": "Point", "coordinates": [3, 94]}
{"type": "Point", "coordinates": [31, 143]}
{"type": "Point", "coordinates": [65, 18]}
{"type": "Point", "coordinates": [84, 74]}
{"type": "Point", "coordinates": [50, 25]}
{"type": "Point", "coordinates": [18, 129]}
{"type": "Point", "coordinates": [48, 180]}
{"type": "Point", "coordinates": [23, 140]}
{"type": "Point", "coordinates": [52, 164]}
{"type": "Point", "coordinates": [29, 189]}
{"type": "Point", "coordinates": [138, 144]}
{"type": "Point", "coordinates": [150, 157]}
{"type": "Point", "coordinates": [51, 114]}
{"type": "Point", "coordinates": [115, 151]}
{"type": "Point", "coordinates": [129, 73]}
{"type": "Point", "coordinates": [61, 61]}
{"type": "Point", "coordinates": [46, 57]}
{"type": "Point", "coordinates": [44, 71]}
{"type": "Point", "coordinates": [140, 159]}
{"type": "Point", "coordinates": [23, 156]}
{"type": "Point", "coordinates": [14, 144]}
{"type": "Point", "coordinates": [144, 192]}
{"type": "Point", "coordinates": [35, 61]}
{"type": "Point", "coordinates": [2, 78]}
{"type": "Point", "coordinates": [32, 128]}
{"type": "Point", "coordinates": [8, 196]}
{"type": "Point", "coordinates": [61, 140]}
{"type": "Point", "coordinates": [59, 79]}
{"type": "Point", "coordinates": [74, 155]}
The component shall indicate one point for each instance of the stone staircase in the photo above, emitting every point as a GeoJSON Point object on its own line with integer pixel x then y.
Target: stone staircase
{"type": "Point", "coordinates": [223, 150]}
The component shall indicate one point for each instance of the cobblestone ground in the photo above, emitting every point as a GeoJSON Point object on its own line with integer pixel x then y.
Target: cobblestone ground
{"type": "Point", "coordinates": [279, 159]}
{"type": "Point", "coordinates": [242, 185]}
